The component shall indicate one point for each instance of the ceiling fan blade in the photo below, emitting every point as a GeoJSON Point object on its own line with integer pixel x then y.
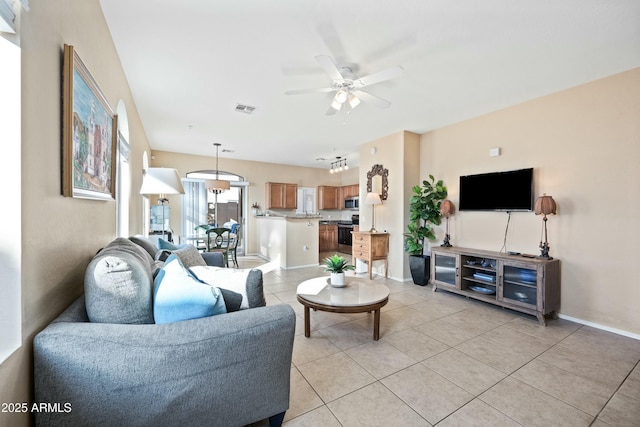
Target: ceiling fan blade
{"type": "Point", "coordinates": [380, 76]}
{"type": "Point", "coordinates": [330, 67]}
{"type": "Point", "coordinates": [301, 91]}
{"type": "Point", "coordinates": [376, 100]}
{"type": "Point", "coordinates": [331, 111]}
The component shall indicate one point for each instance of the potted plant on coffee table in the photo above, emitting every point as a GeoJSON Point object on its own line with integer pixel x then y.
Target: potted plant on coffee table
{"type": "Point", "coordinates": [337, 265]}
{"type": "Point", "coordinates": [424, 213]}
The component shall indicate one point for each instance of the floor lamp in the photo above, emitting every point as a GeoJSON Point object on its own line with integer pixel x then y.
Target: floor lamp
{"type": "Point", "coordinates": [161, 181]}
{"type": "Point", "coordinates": [373, 199]}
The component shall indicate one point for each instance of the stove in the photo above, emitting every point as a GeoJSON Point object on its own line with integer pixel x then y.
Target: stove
{"type": "Point", "coordinates": [344, 233]}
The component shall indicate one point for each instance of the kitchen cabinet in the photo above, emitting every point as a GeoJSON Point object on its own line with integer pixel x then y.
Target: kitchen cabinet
{"type": "Point", "coordinates": [350, 191]}
{"type": "Point", "coordinates": [281, 195]}
{"type": "Point", "coordinates": [329, 197]}
{"type": "Point", "coordinates": [328, 239]}
{"type": "Point", "coordinates": [529, 285]}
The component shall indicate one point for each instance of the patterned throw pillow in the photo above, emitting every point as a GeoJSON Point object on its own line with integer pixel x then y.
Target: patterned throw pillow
{"type": "Point", "coordinates": [178, 295]}
{"type": "Point", "coordinates": [247, 282]}
{"type": "Point", "coordinates": [189, 256]}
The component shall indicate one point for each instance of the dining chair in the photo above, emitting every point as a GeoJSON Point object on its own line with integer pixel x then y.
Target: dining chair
{"type": "Point", "coordinates": [201, 242]}
{"type": "Point", "coordinates": [233, 247]}
{"type": "Point", "coordinates": [218, 240]}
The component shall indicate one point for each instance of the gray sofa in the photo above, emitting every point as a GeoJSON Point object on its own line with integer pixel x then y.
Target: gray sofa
{"type": "Point", "coordinates": [231, 369]}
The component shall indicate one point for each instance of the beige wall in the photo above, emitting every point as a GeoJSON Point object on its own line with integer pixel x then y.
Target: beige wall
{"type": "Point", "coordinates": [584, 144]}
{"type": "Point", "coordinates": [256, 174]}
{"type": "Point", "coordinates": [399, 154]}
{"type": "Point", "coordinates": [59, 234]}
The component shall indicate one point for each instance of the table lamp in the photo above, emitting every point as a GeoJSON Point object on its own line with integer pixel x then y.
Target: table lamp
{"type": "Point", "coordinates": [373, 199]}
{"type": "Point", "coordinates": [447, 209]}
{"type": "Point", "coordinates": [545, 205]}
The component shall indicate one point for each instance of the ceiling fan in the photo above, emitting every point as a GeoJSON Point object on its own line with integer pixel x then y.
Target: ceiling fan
{"type": "Point", "coordinates": [348, 87]}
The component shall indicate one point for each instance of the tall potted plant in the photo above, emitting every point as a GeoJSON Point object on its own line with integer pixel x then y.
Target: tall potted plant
{"type": "Point", "coordinates": [424, 213]}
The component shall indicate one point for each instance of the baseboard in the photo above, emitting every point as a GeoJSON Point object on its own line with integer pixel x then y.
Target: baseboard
{"type": "Point", "coordinates": [599, 326]}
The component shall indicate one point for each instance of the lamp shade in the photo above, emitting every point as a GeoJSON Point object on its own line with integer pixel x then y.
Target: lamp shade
{"type": "Point", "coordinates": [373, 199]}
{"type": "Point", "coordinates": [161, 181]}
{"type": "Point", "coordinates": [447, 208]}
{"type": "Point", "coordinates": [545, 205]}
{"type": "Point", "coordinates": [217, 185]}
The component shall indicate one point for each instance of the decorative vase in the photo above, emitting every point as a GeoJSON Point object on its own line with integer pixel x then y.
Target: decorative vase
{"type": "Point", "coordinates": [337, 280]}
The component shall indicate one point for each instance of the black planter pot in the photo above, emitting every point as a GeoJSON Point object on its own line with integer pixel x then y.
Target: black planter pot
{"type": "Point", "coordinates": [420, 266]}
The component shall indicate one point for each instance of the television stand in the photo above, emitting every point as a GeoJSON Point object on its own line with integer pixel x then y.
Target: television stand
{"type": "Point", "coordinates": [517, 282]}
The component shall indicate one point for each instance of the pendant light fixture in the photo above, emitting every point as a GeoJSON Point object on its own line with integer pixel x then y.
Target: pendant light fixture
{"type": "Point", "coordinates": [217, 186]}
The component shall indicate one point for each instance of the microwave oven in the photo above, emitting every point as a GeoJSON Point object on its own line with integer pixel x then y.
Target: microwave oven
{"type": "Point", "coordinates": [352, 203]}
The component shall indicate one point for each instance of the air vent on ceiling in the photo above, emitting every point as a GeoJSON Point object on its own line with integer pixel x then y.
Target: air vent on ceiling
{"type": "Point", "coordinates": [247, 109]}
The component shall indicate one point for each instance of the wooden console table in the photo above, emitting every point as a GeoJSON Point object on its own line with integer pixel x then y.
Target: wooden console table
{"type": "Point", "coordinates": [369, 246]}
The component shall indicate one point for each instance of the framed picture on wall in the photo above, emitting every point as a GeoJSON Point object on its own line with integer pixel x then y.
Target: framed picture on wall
{"type": "Point", "coordinates": [89, 134]}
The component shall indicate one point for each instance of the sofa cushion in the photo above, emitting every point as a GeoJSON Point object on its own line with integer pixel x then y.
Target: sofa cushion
{"type": "Point", "coordinates": [118, 284]}
{"type": "Point", "coordinates": [189, 256]}
{"type": "Point", "coordinates": [178, 295]}
{"type": "Point", "coordinates": [247, 282]}
{"type": "Point", "coordinates": [145, 244]}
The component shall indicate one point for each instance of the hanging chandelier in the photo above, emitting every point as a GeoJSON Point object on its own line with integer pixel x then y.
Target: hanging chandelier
{"type": "Point", "coordinates": [339, 165]}
{"type": "Point", "coordinates": [217, 186]}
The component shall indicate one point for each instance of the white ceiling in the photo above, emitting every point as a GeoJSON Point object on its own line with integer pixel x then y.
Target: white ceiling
{"type": "Point", "coordinates": [189, 63]}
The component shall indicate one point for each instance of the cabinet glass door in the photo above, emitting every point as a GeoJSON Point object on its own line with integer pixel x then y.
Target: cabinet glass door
{"type": "Point", "coordinates": [445, 269]}
{"type": "Point", "coordinates": [520, 284]}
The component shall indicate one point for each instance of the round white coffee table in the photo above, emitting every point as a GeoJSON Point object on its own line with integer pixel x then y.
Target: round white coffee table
{"type": "Point", "coordinates": [358, 296]}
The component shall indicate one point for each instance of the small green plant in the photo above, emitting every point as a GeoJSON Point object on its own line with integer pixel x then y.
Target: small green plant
{"type": "Point", "coordinates": [337, 264]}
{"type": "Point", "coordinates": [424, 211]}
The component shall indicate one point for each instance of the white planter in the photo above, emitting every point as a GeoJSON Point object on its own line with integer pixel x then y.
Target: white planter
{"type": "Point", "coordinates": [337, 280]}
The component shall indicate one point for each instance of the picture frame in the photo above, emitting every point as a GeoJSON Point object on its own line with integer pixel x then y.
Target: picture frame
{"type": "Point", "coordinates": [89, 134]}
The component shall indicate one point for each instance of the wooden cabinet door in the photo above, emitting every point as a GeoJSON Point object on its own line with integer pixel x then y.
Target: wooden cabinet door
{"type": "Point", "coordinates": [290, 194]}
{"type": "Point", "coordinates": [281, 196]}
{"type": "Point", "coordinates": [332, 237]}
{"type": "Point", "coordinates": [350, 191]}
{"type": "Point", "coordinates": [328, 197]}
{"type": "Point", "coordinates": [273, 195]}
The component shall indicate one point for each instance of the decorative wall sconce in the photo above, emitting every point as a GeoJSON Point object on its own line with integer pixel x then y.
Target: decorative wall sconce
{"type": "Point", "coordinates": [447, 209]}
{"type": "Point", "coordinates": [545, 205]}
{"type": "Point", "coordinates": [339, 165]}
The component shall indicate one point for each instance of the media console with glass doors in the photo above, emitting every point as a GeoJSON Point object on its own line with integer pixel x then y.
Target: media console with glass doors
{"type": "Point", "coordinates": [518, 282]}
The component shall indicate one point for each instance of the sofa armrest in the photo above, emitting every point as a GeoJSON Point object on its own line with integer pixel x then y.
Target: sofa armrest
{"type": "Point", "coordinates": [230, 369]}
{"type": "Point", "coordinates": [213, 259]}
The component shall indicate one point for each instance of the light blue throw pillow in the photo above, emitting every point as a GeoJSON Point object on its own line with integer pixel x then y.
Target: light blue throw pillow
{"type": "Point", "coordinates": [165, 244]}
{"type": "Point", "coordinates": [178, 295]}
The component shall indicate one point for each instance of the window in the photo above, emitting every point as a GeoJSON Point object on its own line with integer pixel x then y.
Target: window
{"type": "Point", "coordinates": [123, 187]}
{"type": "Point", "coordinates": [11, 237]}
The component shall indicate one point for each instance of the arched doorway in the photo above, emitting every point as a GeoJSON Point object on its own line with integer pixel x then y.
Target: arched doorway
{"type": "Point", "coordinates": [203, 207]}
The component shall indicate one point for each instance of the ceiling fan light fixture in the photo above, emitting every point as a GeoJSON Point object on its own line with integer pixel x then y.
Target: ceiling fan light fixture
{"type": "Point", "coordinates": [341, 96]}
{"type": "Point", "coordinates": [336, 105]}
{"type": "Point", "coordinates": [354, 101]}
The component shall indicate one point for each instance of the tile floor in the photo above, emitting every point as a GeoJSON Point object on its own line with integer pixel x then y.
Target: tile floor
{"type": "Point", "coordinates": [446, 360]}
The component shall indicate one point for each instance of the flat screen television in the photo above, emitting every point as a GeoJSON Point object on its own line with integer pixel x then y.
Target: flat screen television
{"type": "Point", "coordinates": [497, 191]}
